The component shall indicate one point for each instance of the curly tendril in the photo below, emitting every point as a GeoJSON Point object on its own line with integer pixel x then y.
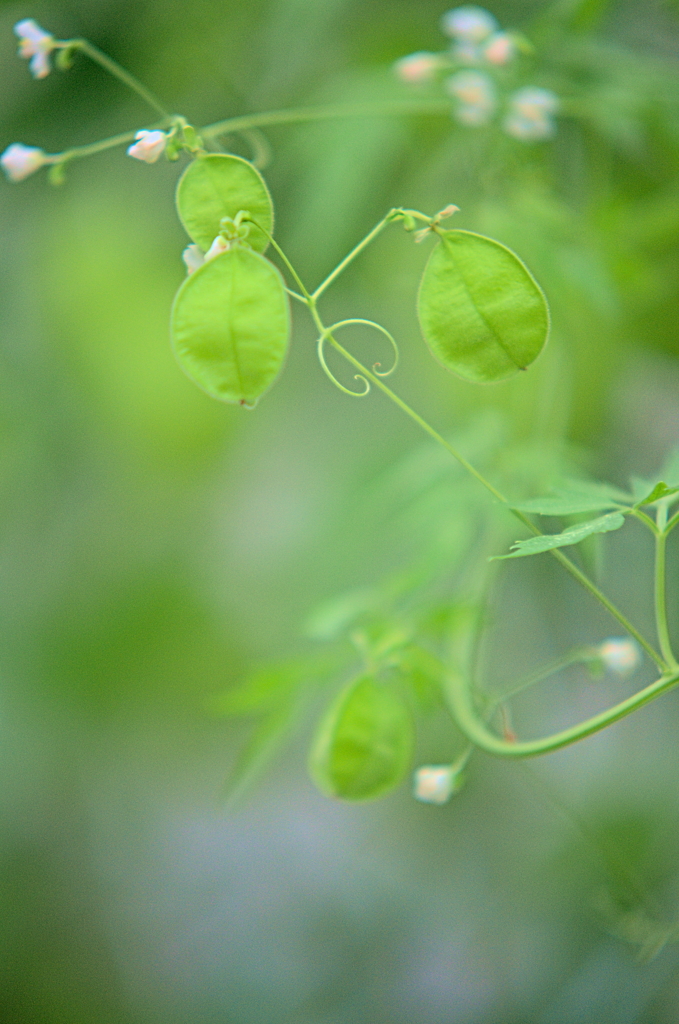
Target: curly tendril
{"type": "Point", "coordinates": [327, 334]}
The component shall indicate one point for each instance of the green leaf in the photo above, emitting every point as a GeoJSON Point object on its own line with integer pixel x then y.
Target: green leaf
{"type": "Point", "coordinates": [268, 687]}
{"type": "Point", "coordinates": [647, 493]}
{"type": "Point", "coordinates": [263, 691]}
{"type": "Point", "coordinates": [265, 741]}
{"type": "Point", "coordinates": [573, 535]}
{"type": "Point", "coordinates": [670, 470]}
{"type": "Point", "coordinates": [363, 745]}
{"type": "Point", "coordinates": [481, 312]}
{"type": "Point", "coordinates": [334, 617]}
{"type": "Point", "coordinates": [219, 185]}
{"type": "Point", "coordinates": [565, 505]}
{"type": "Point", "coordinates": [594, 488]}
{"type": "Point", "coordinates": [230, 326]}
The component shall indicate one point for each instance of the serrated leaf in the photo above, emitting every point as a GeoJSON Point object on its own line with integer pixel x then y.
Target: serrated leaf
{"type": "Point", "coordinates": [230, 326]}
{"type": "Point", "coordinates": [573, 535]}
{"type": "Point", "coordinates": [220, 185]}
{"type": "Point", "coordinates": [363, 746]}
{"type": "Point", "coordinates": [482, 314]}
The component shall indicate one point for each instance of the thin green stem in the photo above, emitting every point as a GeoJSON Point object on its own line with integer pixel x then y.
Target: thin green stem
{"type": "Point", "coordinates": [418, 419]}
{"type": "Point", "coordinates": [112, 66]}
{"type": "Point", "coordinates": [643, 518]}
{"type": "Point", "coordinates": [477, 732]}
{"type": "Point", "coordinates": [672, 523]}
{"type": "Point", "coordinates": [660, 587]}
{"type": "Point", "coordinates": [363, 244]}
{"type": "Point", "coordinates": [305, 297]}
{"type": "Point", "coordinates": [296, 295]}
{"type": "Point", "coordinates": [577, 574]}
{"type": "Point", "coordinates": [384, 108]}
{"type": "Point", "coordinates": [577, 657]}
{"type": "Point", "coordinates": [76, 152]}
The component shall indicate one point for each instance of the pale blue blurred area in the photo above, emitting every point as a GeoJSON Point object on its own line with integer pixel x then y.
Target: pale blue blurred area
{"type": "Point", "coordinates": [155, 545]}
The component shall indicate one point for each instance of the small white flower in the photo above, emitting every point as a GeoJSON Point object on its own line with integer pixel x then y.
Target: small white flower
{"type": "Point", "coordinates": [148, 147]}
{"type": "Point", "coordinates": [36, 45]}
{"type": "Point", "coordinates": [499, 49]}
{"type": "Point", "coordinates": [219, 246]}
{"type": "Point", "coordinates": [531, 100]}
{"type": "Point", "coordinates": [18, 161]}
{"type": "Point", "coordinates": [417, 67]}
{"type": "Point", "coordinates": [529, 117]}
{"type": "Point", "coordinates": [471, 23]}
{"type": "Point", "coordinates": [435, 783]}
{"type": "Point", "coordinates": [529, 129]}
{"type": "Point", "coordinates": [620, 655]}
{"type": "Point", "coordinates": [193, 257]}
{"type": "Point", "coordinates": [476, 94]}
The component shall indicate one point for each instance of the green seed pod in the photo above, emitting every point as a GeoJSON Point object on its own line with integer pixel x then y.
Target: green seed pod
{"type": "Point", "coordinates": [363, 745]}
{"type": "Point", "coordinates": [481, 312]}
{"type": "Point", "coordinates": [230, 326]}
{"type": "Point", "coordinates": [219, 185]}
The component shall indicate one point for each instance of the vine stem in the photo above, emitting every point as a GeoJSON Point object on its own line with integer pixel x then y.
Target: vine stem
{"type": "Point", "coordinates": [478, 732]}
{"type": "Point", "coordinates": [363, 244]}
{"type": "Point", "coordinates": [660, 586]}
{"type": "Point", "coordinates": [113, 68]}
{"type": "Point", "coordinates": [76, 152]}
{"type": "Point", "coordinates": [325, 113]}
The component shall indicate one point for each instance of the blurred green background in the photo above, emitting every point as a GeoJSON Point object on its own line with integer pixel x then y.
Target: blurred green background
{"type": "Point", "coordinates": [156, 545]}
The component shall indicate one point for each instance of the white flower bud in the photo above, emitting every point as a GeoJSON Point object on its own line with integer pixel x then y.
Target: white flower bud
{"type": "Point", "coordinates": [193, 258]}
{"type": "Point", "coordinates": [620, 655]}
{"type": "Point", "coordinates": [529, 117]}
{"type": "Point", "coordinates": [529, 129]}
{"type": "Point", "coordinates": [435, 783]}
{"type": "Point", "coordinates": [18, 161]}
{"type": "Point", "coordinates": [531, 101]}
{"type": "Point", "coordinates": [219, 246]}
{"type": "Point", "coordinates": [36, 45]}
{"type": "Point", "coordinates": [417, 67]}
{"type": "Point", "coordinates": [471, 23]}
{"type": "Point", "coordinates": [148, 147]}
{"type": "Point", "coordinates": [476, 94]}
{"type": "Point", "coordinates": [499, 49]}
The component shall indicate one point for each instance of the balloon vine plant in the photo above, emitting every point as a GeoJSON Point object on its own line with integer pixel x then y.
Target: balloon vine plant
{"type": "Point", "coordinates": [481, 313]}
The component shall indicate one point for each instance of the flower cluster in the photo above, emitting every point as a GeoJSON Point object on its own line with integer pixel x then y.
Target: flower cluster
{"type": "Point", "coordinates": [18, 161]}
{"type": "Point", "coordinates": [478, 48]}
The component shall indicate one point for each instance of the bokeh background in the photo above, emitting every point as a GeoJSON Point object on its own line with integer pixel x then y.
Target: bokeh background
{"type": "Point", "coordinates": [156, 546]}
